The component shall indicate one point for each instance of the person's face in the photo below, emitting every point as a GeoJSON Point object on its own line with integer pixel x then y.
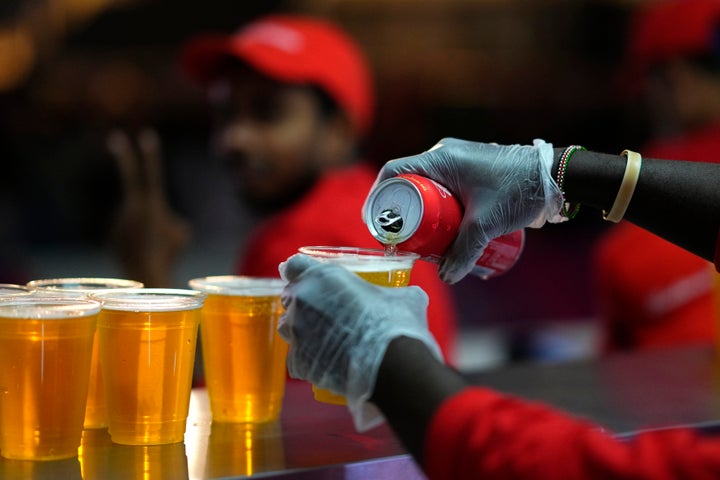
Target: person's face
{"type": "Point", "coordinates": [271, 136]}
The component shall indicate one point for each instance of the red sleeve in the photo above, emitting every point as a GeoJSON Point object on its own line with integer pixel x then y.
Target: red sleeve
{"type": "Point", "coordinates": [479, 433]}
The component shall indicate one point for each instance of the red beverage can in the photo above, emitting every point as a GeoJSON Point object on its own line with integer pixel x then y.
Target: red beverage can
{"type": "Point", "coordinates": [417, 214]}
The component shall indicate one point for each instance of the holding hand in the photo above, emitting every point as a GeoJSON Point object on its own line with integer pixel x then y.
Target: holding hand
{"type": "Point", "coordinates": [502, 188]}
{"type": "Point", "coordinates": [339, 327]}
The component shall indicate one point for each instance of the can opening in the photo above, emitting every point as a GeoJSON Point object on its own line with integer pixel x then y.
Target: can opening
{"type": "Point", "coordinates": [390, 221]}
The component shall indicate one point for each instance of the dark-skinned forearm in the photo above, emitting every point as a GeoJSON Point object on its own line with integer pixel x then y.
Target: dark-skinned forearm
{"type": "Point", "coordinates": [677, 200]}
{"type": "Point", "coordinates": [411, 385]}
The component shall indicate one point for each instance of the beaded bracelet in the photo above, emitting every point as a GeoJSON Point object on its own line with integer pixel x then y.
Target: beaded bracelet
{"type": "Point", "coordinates": [567, 210]}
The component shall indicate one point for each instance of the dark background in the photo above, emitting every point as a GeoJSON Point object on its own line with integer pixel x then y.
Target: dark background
{"type": "Point", "coordinates": [503, 71]}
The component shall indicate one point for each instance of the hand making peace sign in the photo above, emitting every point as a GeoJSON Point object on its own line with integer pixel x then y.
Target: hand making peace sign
{"type": "Point", "coordinates": [147, 234]}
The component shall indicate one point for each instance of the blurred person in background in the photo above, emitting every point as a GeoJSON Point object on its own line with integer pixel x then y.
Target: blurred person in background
{"type": "Point", "coordinates": [652, 293]}
{"type": "Point", "coordinates": [295, 102]}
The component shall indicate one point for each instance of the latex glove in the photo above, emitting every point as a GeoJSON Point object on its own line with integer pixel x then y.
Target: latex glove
{"type": "Point", "coordinates": [339, 327]}
{"type": "Point", "coordinates": [503, 188]}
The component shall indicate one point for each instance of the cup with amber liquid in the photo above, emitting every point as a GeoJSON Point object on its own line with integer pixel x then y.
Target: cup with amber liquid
{"type": "Point", "coordinates": [95, 411]}
{"type": "Point", "coordinates": [147, 353]}
{"type": "Point", "coordinates": [377, 266]}
{"type": "Point", "coordinates": [45, 351]}
{"type": "Point", "coordinates": [243, 354]}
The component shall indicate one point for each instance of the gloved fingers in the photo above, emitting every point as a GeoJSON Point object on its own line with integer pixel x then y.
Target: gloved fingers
{"type": "Point", "coordinates": [416, 296]}
{"type": "Point", "coordinates": [425, 163]}
{"type": "Point", "coordinates": [440, 163]}
{"type": "Point", "coordinates": [393, 168]}
{"type": "Point", "coordinates": [284, 327]}
{"type": "Point", "coordinates": [413, 164]}
{"type": "Point", "coordinates": [461, 256]}
{"type": "Point", "coordinates": [314, 292]}
{"type": "Point", "coordinates": [294, 266]}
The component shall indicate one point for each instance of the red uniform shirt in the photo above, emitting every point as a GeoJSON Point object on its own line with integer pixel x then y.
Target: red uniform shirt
{"type": "Point", "coordinates": [652, 293]}
{"type": "Point", "coordinates": [480, 434]}
{"type": "Point", "coordinates": [717, 252]}
{"type": "Point", "coordinates": [330, 214]}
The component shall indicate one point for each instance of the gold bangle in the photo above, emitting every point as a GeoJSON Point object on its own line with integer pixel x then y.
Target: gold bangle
{"type": "Point", "coordinates": [627, 187]}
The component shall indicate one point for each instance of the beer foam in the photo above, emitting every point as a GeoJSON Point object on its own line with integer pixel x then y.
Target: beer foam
{"type": "Point", "coordinates": [145, 305]}
{"type": "Point", "coordinates": [48, 310]}
{"type": "Point", "coordinates": [236, 285]}
{"type": "Point", "coordinates": [149, 299]}
{"type": "Point", "coordinates": [359, 265]}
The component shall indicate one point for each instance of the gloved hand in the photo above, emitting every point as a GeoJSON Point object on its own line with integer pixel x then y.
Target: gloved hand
{"type": "Point", "coordinates": [502, 189]}
{"type": "Point", "coordinates": [339, 327]}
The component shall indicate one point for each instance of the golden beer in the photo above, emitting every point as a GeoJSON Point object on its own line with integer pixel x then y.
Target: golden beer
{"type": "Point", "coordinates": [372, 265]}
{"type": "Point", "coordinates": [386, 278]}
{"type": "Point", "coordinates": [147, 350]}
{"type": "Point", "coordinates": [45, 347]}
{"type": "Point", "coordinates": [243, 354]}
{"type": "Point", "coordinates": [95, 409]}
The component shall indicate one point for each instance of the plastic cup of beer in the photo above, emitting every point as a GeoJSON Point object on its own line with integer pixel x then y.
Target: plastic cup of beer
{"type": "Point", "coordinates": [147, 350]}
{"type": "Point", "coordinates": [45, 350]}
{"type": "Point", "coordinates": [95, 410]}
{"type": "Point", "coordinates": [243, 354]}
{"type": "Point", "coordinates": [373, 265]}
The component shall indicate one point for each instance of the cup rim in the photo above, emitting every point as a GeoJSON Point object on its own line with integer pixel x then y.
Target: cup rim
{"type": "Point", "coordinates": [357, 259]}
{"type": "Point", "coordinates": [43, 306]}
{"type": "Point", "coordinates": [149, 299]}
{"type": "Point", "coordinates": [238, 285]}
{"type": "Point", "coordinates": [81, 284]}
{"type": "Point", "coordinates": [326, 251]}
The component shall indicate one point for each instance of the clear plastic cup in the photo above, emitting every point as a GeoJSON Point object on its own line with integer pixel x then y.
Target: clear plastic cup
{"type": "Point", "coordinates": [45, 351]}
{"type": "Point", "coordinates": [95, 410]}
{"type": "Point", "coordinates": [243, 355]}
{"type": "Point", "coordinates": [147, 350]}
{"type": "Point", "coordinates": [373, 265]}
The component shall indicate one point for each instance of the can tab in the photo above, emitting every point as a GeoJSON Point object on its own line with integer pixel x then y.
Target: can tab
{"type": "Point", "coordinates": [389, 221]}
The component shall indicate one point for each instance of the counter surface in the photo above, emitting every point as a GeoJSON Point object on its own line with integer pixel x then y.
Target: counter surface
{"type": "Point", "coordinates": [624, 393]}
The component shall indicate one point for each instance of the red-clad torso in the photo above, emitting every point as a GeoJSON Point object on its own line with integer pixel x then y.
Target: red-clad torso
{"type": "Point", "coordinates": [652, 293]}
{"type": "Point", "coordinates": [330, 214]}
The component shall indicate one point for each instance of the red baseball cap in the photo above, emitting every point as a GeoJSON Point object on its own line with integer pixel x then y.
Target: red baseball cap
{"type": "Point", "coordinates": [669, 29]}
{"type": "Point", "coordinates": [294, 49]}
